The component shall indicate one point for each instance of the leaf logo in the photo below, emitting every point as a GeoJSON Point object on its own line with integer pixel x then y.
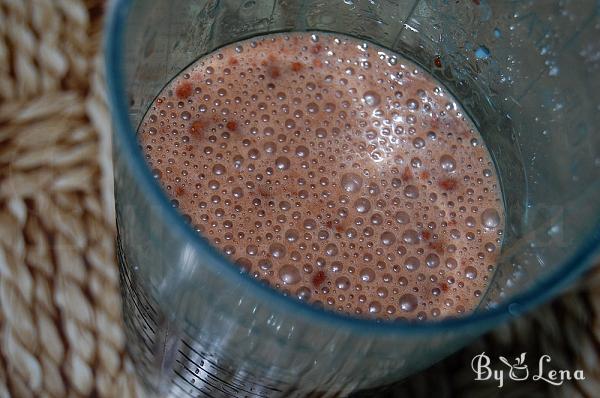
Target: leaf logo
{"type": "Point", "coordinates": [518, 371]}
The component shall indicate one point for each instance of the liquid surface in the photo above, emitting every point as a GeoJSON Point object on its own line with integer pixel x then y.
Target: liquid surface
{"type": "Point", "coordinates": [334, 171]}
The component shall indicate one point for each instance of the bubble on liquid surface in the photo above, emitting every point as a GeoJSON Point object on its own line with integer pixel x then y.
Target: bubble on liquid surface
{"type": "Point", "coordinates": [418, 143]}
{"type": "Point", "coordinates": [411, 263]}
{"type": "Point", "coordinates": [309, 224]}
{"type": "Point", "coordinates": [362, 205]}
{"type": "Point", "coordinates": [289, 274]}
{"type": "Point", "coordinates": [388, 238]}
{"type": "Point", "coordinates": [447, 163]}
{"type": "Point", "coordinates": [277, 250]}
{"type": "Point", "coordinates": [219, 169]}
{"type": "Point", "coordinates": [412, 192]}
{"type": "Point", "coordinates": [451, 263]}
{"type": "Point", "coordinates": [410, 236]}
{"type": "Point", "coordinates": [265, 264]}
{"type": "Point", "coordinates": [470, 272]}
{"type": "Point", "coordinates": [367, 275]}
{"type": "Point", "coordinates": [470, 222]}
{"type": "Point", "coordinates": [302, 151]}
{"type": "Point", "coordinates": [490, 218]}
{"type": "Point", "coordinates": [374, 307]}
{"type": "Point", "coordinates": [412, 104]}
{"type": "Point", "coordinates": [402, 217]}
{"type": "Point", "coordinates": [342, 283]}
{"type": "Point", "coordinates": [336, 266]}
{"type": "Point", "coordinates": [331, 250]}
{"type": "Point", "coordinates": [244, 264]}
{"type": "Point", "coordinates": [376, 219]}
{"type": "Point", "coordinates": [282, 163]}
{"type": "Point", "coordinates": [351, 182]}
{"type": "Point", "coordinates": [371, 98]}
{"type": "Point", "coordinates": [408, 302]}
{"type": "Point", "coordinates": [303, 293]}
{"type": "Point", "coordinates": [432, 260]}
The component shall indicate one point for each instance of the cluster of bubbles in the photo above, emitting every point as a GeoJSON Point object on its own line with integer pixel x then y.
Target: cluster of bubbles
{"type": "Point", "coordinates": [333, 171]}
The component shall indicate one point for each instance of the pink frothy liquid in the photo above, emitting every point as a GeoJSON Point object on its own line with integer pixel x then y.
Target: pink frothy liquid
{"type": "Point", "coordinates": [335, 171]}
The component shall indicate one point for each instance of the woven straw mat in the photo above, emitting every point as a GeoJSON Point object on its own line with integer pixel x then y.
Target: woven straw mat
{"type": "Point", "coordinates": [60, 321]}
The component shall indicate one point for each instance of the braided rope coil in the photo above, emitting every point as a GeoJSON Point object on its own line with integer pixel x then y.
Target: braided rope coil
{"type": "Point", "coordinates": [60, 320]}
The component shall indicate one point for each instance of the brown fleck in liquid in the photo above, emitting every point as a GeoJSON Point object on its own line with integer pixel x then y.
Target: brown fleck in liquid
{"type": "Point", "coordinates": [338, 172]}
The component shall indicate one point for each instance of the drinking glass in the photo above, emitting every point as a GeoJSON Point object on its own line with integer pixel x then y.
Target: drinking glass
{"type": "Point", "coordinates": [526, 72]}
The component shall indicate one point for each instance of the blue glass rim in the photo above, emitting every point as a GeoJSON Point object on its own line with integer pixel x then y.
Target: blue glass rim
{"type": "Point", "coordinates": [125, 137]}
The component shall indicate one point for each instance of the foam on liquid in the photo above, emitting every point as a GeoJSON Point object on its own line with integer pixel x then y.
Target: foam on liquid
{"type": "Point", "coordinates": [335, 171]}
